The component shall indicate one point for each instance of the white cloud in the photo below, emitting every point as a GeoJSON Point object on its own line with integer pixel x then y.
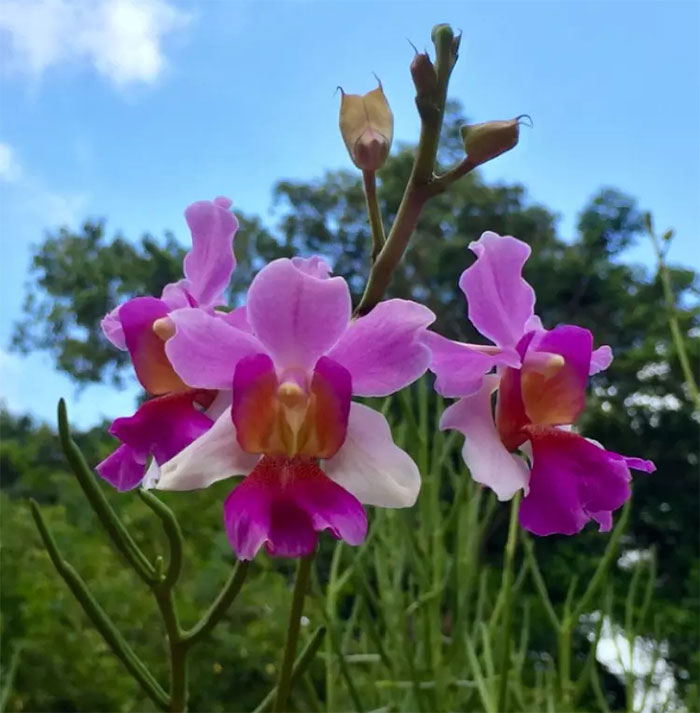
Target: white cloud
{"type": "Point", "coordinates": [9, 168]}
{"type": "Point", "coordinates": [121, 39]}
{"type": "Point", "coordinates": [30, 196]}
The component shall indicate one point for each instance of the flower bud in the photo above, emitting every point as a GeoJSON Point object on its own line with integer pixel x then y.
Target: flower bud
{"type": "Point", "coordinates": [482, 142]}
{"type": "Point", "coordinates": [367, 126]}
{"type": "Point", "coordinates": [423, 73]}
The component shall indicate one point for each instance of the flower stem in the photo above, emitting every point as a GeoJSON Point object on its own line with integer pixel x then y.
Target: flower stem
{"type": "Point", "coordinates": [369, 182]}
{"type": "Point", "coordinates": [177, 646]}
{"type": "Point", "coordinates": [112, 524]}
{"type": "Point", "coordinates": [285, 677]}
{"type": "Point", "coordinates": [97, 615]}
{"type": "Point", "coordinates": [220, 606]}
{"type": "Point", "coordinates": [665, 277]}
{"type": "Point", "coordinates": [300, 665]}
{"type": "Point", "coordinates": [507, 589]}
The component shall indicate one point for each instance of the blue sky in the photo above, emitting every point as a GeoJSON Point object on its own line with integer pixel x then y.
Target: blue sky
{"type": "Point", "coordinates": [132, 109]}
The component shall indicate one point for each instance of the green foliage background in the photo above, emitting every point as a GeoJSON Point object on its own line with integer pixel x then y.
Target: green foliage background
{"type": "Point", "coordinates": [637, 407]}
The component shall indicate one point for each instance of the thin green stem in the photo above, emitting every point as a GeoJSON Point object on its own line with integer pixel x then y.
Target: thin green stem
{"type": "Point", "coordinates": [9, 677]}
{"type": "Point", "coordinates": [99, 618]}
{"type": "Point", "coordinates": [344, 672]}
{"type": "Point", "coordinates": [178, 648]}
{"type": "Point", "coordinates": [441, 183]}
{"type": "Point", "coordinates": [678, 340]}
{"type": "Point", "coordinates": [301, 585]}
{"type": "Point", "coordinates": [369, 182]}
{"type": "Point", "coordinates": [564, 660]}
{"type": "Point", "coordinates": [113, 525]}
{"type": "Point", "coordinates": [172, 531]}
{"type": "Point", "coordinates": [507, 587]}
{"type": "Point", "coordinates": [329, 612]}
{"type": "Point", "coordinates": [539, 584]}
{"type": "Point", "coordinates": [606, 560]}
{"type": "Point", "coordinates": [220, 605]}
{"type": "Point", "coordinates": [300, 665]}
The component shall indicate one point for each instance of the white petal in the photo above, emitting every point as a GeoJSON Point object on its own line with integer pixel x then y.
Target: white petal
{"type": "Point", "coordinates": [222, 402]}
{"type": "Point", "coordinates": [371, 466]}
{"type": "Point", "coordinates": [486, 457]}
{"type": "Point", "coordinates": [150, 480]}
{"type": "Point", "coordinates": [214, 456]}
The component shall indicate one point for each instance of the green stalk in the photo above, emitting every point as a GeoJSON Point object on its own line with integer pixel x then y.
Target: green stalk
{"type": "Point", "coordinates": [540, 586]}
{"type": "Point", "coordinates": [300, 665]}
{"type": "Point", "coordinates": [172, 532]}
{"type": "Point", "coordinates": [220, 605]}
{"type": "Point", "coordinates": [678, 340]}
{"type": "Point", "coordinates": [329, 611]}
{"type": "Point", "coordinates": [604, 564]}
{"type": "Point", "coordinates": [99, 618]}
{"type": "Point", "coordinates": [284, 682]}
{"type": "Point", "coordinates": [177, 647]}
{"type": "Point", "coordinates": [113, 525]}
{"type": "Point", "coordinates": [369, 182]}
{"type": "Point", "coordinates": [10, 677]}
{"type": "Point", "coordinates": [507, 587]}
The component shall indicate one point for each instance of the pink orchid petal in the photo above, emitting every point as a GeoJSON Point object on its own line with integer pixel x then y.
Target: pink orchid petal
{"type": "Point", "coordinates": [208, 266]}
{"type": "Point", "coordinates": [205, 349]}
{"type": "Point", "coordinates": [510, 410]}
{"type": "Point", "coordinates": [124, 469]}
{"type": "Point", "coordinates": [146, 348]}
{"type": "Point", "coordinates": [161, 427]}
{"type": "Point", "coordinates": [112, 329]}
{"type": "Point", "coordinates": [500, 301]}
{"type": "Point", "coordinates": [485, 455]}
{"type": "Point", "coordinates": [327, 419]}
{"type": "Point", "coordinates": [646, 466]}
{"type": "Point", "coordinates": [283, 503]}
{"type": "Point", "coordinates": [296, 315]}
{"type": "Point", "coordinates": [604, 520]}
{"type": "Point", "coordinates": [261, 420]}
{"type": "Point", "coordinates": [313, 266]}
{"type": "Point", "coordinates": [460, 368]}
{"type": "Point", "coordinates": [211, 457]}
{"type": "Point", "coordinates": [572, 481]}
{"type": "Point", "coordinates": [177, 295]}
{"type": "Point", "coordinates": [254, 408]}
{"type": "Point", "coordinates": [371, 466]}
{"type": "Point", "coordinates": [601, 359]}
{"type": "Point", "coordinates": [382, 350]}
{"type": "Point", "coordinates": [237, 318]}
{"type": "Point", "coordinates": [557, 397]}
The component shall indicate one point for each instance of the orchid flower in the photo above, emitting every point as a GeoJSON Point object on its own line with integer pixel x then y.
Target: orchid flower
{"type": "Point", "coordinates": [293, 358]}
{"type": "Point", "coordinates": [541, 379]}
{"type": "Point", "coordinates": [164, 425]}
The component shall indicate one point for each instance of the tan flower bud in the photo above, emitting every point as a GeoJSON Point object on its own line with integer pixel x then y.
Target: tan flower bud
{"type": "Point", "coordinates": [367, 126]}
{"type": "Point", "coordinates": [482, 142]}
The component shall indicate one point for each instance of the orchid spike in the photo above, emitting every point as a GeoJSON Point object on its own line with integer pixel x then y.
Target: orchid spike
{"type": "Point", "coordinates": [527, 444]}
